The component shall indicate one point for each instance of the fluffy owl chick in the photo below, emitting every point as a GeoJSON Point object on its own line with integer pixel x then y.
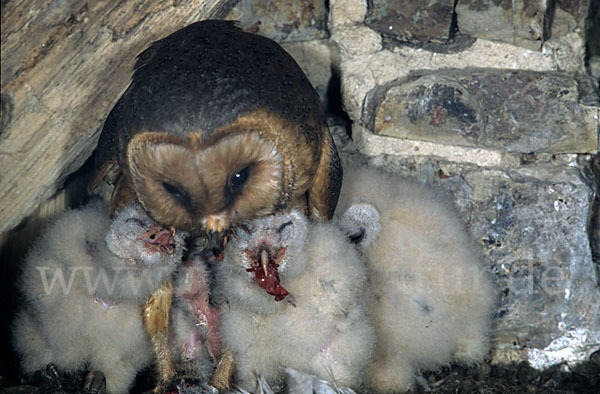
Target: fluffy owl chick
{"type": "Point", "coordinates": [431, 298]}
{"type": "Point", "coordinates": [295, 298]}
{"type": "Point", "coordinates": [84, 282]}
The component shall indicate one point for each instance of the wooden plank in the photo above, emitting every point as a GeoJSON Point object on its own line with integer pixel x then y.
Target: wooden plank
{"type": "Point", "coordinates": [64, 65]}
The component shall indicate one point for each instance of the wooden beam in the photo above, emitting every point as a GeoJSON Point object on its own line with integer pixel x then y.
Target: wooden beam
{"type": "Point", "coordinates": [64, 65]}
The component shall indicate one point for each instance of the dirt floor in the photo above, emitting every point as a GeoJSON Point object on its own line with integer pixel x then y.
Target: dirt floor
{"type": "Point", "coordinates": [483, 379]}
{"type": "Point", "coordinates": [519, 378]}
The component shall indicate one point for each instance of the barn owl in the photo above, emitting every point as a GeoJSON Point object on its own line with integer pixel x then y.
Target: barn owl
{"type": "Point", "coordinates": [294, 296]}
{"type": "Point", "coordinates": [430, 297]}
{"type": "Point", "coordinates": [84, 282]}
{"type": "Point", "coordinates": [218, 126]}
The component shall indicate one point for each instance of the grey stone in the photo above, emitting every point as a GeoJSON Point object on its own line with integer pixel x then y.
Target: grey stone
{"type": "Point", "coordinates": [283, 21]}
{"type": "Point", "coordinates": [570, 16]}
{"type": "Point", "coordinates": [514, 111]}
{"type": "Point", "coordinates": [523, 22]}
{"type": "Point", "coordinates": [411, 21]}
{"type": "Point", "coordinates": [346, 12]}
{"type": "Point", "coordinates": [315, 59]}
{"type": "Point", "coordinates": [362, 72]}
{"type": "Point", "coordinates": [531, 223]}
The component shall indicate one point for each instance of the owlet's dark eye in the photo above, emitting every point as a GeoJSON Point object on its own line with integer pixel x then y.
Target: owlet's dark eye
{"type": "Point", "coordinates": [284, 225]}
{"type": "Point", "coordinates": [236, 183]}
{"type": "Point", "coordinates": [179, 195]}
{"type": "Point", "coordinates": [357, 236]}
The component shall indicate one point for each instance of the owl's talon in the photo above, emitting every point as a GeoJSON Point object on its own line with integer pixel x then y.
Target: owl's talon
{"type": "Point", "coordinates": [49, 377]}
{"type": "Point", "coordinates": [95, 383]}
{"type": "Point", "coordinates": [187, 385]}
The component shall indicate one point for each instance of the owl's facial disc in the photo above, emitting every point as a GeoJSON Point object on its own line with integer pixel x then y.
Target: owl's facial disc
{"type": "Point", "coordinates": [206, 186]}
{"type": "Point", "coordinates": [178, 195]}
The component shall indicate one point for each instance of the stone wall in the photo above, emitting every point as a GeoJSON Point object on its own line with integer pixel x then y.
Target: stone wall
{"type": "Point", "coordinates": [492, 101]}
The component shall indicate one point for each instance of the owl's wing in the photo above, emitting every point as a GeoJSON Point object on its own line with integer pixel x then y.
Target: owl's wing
{"type": "Point", "coordinates": [324, 193]}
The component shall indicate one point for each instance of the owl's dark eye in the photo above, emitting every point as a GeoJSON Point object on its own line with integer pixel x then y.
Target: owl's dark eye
{"type": "Point", "coordinates": [179, 195]}
{"type": "Point", "coordinates": [236, 183]}
{"type": "Point", "coordinates": [237, 180]}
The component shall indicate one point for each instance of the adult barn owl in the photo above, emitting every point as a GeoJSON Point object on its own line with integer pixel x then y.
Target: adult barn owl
{"type": "Point", "coordinates": [219, 126]}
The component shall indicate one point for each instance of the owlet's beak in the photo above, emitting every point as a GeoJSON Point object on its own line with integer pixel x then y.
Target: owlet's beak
{"type": "Point", "coordinates": [161, 238]}
{"type": "Point", "coordinates": [264, 261]}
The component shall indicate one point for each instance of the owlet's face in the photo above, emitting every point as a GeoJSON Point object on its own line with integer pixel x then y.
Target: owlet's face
{"type": "Point", "coordinates": [209, 185]}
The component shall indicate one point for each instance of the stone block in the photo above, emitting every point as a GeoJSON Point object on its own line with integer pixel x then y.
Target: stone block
{"type": "Point", "coordinates": [570, 16]}
{"type": "Point", "coordinates": [346, 12]}
{"type": "Point", "coordinates": [315, 59]}
{"type": "Point", "coordinates": [508, 110]}
{"type": "Point", "coordinates": [283, 21]}
{"type": "Point", "coordinates": [522, 22]}
{"type": "Point", "coordinates": [411, 21]}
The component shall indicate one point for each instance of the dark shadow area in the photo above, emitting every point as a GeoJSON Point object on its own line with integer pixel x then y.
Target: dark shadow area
{"type": "Point", "coordinates": [594, 219]}
{"type": "Point", "coordinates": [14, 250]}
{"type": "Point", "coordinates": [334, 106]}
{"type": "Point", "coordinates": [592, 40]}
{"type": "Point", "coordinates": [513, 379]}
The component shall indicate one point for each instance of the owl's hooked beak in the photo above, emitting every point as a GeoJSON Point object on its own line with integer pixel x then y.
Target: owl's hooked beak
{"type": "Point", "coordinates": [216, 242]}
{"type": "Point", "coordinates": [217, 229]}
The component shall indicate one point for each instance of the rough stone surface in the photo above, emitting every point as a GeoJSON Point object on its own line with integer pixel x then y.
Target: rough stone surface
{"type": "Point", "coordinates": [364, 67]}
{"type": "Point", "coordinates": [315, 59]}
{"type": "Point", "coordinates": [358, 40]}
{"type": "Point", "coordinates": [346, 12]}
{"type": "Point", "coordinates": [362, 73]}
{"type": "Point", "coordinates": [283, 21]}
{"type": "Point", "coordinates": [508, 110]}
{"type": "Point", "coordinates": [523, 22]}
{"type": "Point", "coordinates": [411, 21]}
{"type": "Point", "coordinates": [570, 16]}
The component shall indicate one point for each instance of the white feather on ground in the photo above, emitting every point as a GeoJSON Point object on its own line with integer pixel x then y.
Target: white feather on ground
{"type": "Point", "coordinates": [431, 298]}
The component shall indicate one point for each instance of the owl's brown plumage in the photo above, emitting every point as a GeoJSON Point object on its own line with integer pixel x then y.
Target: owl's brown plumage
{"type": "Point", "coordinates": [220, 126]}
{"type": "Point", "coordinates": [217, 127]}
